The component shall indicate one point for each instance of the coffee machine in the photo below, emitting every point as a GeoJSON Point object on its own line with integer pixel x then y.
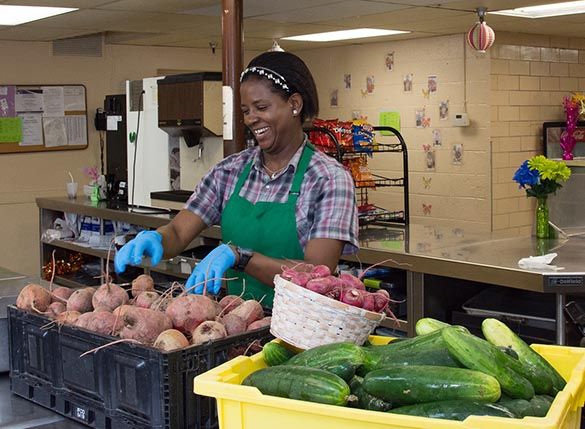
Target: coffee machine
{"type": "Point", "coordinates": [113, 123]}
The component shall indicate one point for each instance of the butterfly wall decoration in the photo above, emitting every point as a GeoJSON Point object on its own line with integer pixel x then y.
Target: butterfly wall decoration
{"type": "Point", "coordinates": [427, 209]}
{"type": "Point", "coordinates": [427, 182]}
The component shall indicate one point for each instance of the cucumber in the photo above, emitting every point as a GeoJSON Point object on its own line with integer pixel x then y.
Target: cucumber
{"type": "Point", "coordinates": [519, 407]}
{"type": "Point", "coordinates": [437, 356]}
{"type": "Point", "coordinates": [426, 325]}
{"type": "Point", "coordinates": [499, 334]}
{"type": "Point", "coordinates": [540, 405]}
{"type": "Point", "coordinates": [428, 349]}
{"type": "Point", "coordinates": [509, 351]}
{"type": "Point", "coordinates": [345, 370]}
{"type": "Point", "coordinates": [276, 354]}
{"type": "Point", "coordinates": [299, 382]}
{"type": "Point", "coordinates": [341, 359]}
{"type": "Point", "coordinates": [453, 410]}
{"type": "Point", "coordinates": [477, 354]}
{"type": "Point", "coordinates": [363, 399]}
{"type": "Point", "coordinates": [424, 383]}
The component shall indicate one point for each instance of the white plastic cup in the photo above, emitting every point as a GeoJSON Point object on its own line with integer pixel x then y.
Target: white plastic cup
{"type": "Point", "coordinates": [72, 190]}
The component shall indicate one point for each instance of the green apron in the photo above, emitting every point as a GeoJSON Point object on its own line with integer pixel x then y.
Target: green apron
{"type": "Point", "coordinates": [269, 228]}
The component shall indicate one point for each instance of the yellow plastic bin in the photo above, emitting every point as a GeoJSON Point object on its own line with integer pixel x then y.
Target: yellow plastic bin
{"type": "Point", "coordinates": [244, 407]}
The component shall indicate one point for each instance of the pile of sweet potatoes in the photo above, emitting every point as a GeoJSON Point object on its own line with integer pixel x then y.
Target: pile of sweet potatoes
{"type": "Point", "coordinates": [144, 315]}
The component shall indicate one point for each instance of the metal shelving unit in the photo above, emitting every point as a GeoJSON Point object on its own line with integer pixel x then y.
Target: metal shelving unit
{"type": "Point", "coordinates": [375, 214]}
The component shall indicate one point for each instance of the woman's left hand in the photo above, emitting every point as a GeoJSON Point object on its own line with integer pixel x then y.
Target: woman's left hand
{"type": "Point", "coordinates": [211, 270]}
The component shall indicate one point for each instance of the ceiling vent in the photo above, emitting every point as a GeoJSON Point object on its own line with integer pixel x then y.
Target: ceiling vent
{"type": "Point", "coordinates": [83, 46]}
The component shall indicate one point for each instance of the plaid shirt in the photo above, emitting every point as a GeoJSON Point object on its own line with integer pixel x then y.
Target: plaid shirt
{"type": "Point", "coordinates": [326, 207]}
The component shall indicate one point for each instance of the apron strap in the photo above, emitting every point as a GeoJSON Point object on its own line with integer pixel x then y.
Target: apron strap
{"type": "Point", "coordinates": [242, 178]}
{"type": "Point", "coordinates": [295, 188]}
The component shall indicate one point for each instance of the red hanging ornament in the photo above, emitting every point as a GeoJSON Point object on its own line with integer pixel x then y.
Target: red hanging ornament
{"type": "Point", "coordinates": [481, 36]}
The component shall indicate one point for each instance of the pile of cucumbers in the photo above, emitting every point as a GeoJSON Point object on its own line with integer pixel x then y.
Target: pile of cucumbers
{"type": "Point", "coordinates": [445, 372]}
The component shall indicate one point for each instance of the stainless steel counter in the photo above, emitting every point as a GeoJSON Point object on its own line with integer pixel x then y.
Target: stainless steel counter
{"type": "Point", "coordinates": [447, 250]}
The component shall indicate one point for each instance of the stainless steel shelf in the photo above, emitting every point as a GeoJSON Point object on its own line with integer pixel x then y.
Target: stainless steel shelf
{"type": "Point", "coordinates": [100, 253]}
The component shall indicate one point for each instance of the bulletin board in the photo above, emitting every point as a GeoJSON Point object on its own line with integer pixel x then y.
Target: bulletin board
{"type": "Point", "coordinates": [37, 118]}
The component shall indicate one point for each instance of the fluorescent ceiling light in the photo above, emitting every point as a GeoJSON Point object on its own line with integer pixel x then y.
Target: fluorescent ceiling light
{"type": "Point", "coordinates": [546, 10]}
{"type": "Point", "coordinates": [15, 15]}
{"type": "Point", "coordinates": [358, 33]}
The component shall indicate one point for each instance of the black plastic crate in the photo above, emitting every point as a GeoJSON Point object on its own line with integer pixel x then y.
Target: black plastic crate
{"type": "Point", "coordinates": [121, 386]}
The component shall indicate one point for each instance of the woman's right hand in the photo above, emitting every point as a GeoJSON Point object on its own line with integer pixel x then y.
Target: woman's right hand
{"type": "Point", "coordinates": [146, 243]}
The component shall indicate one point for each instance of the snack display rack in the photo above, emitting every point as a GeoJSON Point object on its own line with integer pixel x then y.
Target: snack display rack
{"type": "Point", "coordinates": [370, 213]}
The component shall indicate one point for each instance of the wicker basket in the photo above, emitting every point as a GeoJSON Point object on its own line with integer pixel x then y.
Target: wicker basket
{"type": "Point", "coordinates": [306, 319]}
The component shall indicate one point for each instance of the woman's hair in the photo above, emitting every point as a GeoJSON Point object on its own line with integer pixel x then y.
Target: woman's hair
{"type": "Point", "coordinates": [277, 66]}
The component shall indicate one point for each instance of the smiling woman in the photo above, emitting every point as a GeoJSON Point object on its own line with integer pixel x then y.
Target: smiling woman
{"type": "Point", "coordinates": [278, 202]}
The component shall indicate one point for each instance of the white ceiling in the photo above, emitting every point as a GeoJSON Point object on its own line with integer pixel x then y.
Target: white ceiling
{"type": "Point", "coordinates": [196, 23]}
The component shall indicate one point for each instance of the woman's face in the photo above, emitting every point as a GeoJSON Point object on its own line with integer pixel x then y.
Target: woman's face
{"type": "Point", "coordinates": [268, 115]}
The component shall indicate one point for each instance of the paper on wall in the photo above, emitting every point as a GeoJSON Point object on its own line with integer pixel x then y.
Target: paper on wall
{"type": "Point", "coordinates": [28, 100]}
{"type": "Point", "coordinates": [10, 130]}
{"type": "Point", "coordinates": [74, 98]}
{"type": "Point", "coordinates": [55, 133]}
{"type": "Point", "coordinates": [7, 108]}
{"type": "Point", "coordinates": [53, 101]}
{"type": "Point", "coordinates": [76, 130]}
{"type": "Point", "coordinates": [32, 129]}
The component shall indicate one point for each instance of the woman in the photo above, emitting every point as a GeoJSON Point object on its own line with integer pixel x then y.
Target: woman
{"type": "Point", "coordinates": [277, 202]}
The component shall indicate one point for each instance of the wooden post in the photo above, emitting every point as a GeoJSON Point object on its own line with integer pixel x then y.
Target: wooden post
{"type": "Point", "coordinates": [231, 24]}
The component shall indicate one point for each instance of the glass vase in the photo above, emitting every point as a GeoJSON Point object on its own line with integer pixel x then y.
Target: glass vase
{"type": "Point", "coordinates": [542, 228]}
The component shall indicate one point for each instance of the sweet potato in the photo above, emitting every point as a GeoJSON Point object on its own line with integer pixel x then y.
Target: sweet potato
{"type": "Point", "coordinates": [171, 339]}
{"type": "Point", "coordinates": [55, 308]}
{"type": "Point", "coordinates": [208, 331]}
{"type": "Point", "coordinates": [80, 300]}
{"type": "Point", "coordinates": [233, 324]}
{"type": "Point", "coordinates": [265, 321]}
{"type": "Point", "coordinates": [229, 302]}
{"type": "Point", "coordinates": [142, 283]}
{"type": "Point", "coordinates": [144, 324]}
{"type": "Point", "coordinates": [121, 310]}
{"type": "Point", "coordinates": [146, 298]}
{"type": "Point", "coordinates": [250, 311]}
{"type": "Point", "coordinates": [161, 303]}
{"type": "Point", "coordinates": [101, 322]}
{"type": "Point", "coordinates": [187, 312]}
{"type": "Point", "coordinates": [33, 297]}
{"type": "Point", "coordinates": [67, 317]}
{"type": "Point", "coordinates": [61, 294]}
{"type": "Point", "coordinates": [109, 296]}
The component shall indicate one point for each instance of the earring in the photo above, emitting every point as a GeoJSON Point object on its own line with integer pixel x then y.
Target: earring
{"type": "Point", "coordinates": [295, 112]}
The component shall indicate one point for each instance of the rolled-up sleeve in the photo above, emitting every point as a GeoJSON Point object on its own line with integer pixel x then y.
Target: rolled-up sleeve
{"type": "Point", "coordinates": [206, 199]}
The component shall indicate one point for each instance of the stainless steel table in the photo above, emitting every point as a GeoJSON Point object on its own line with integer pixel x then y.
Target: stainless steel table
{"type": "Point", "coordinates": [423, 251]}
{"type": "Point", "coordinates": [490, 258]}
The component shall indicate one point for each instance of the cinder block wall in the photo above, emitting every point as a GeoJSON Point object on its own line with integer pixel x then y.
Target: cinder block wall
{"type": "Point", "coordinates": [452, 194]}
{"type": "Point", "coordinates": [530, 75]}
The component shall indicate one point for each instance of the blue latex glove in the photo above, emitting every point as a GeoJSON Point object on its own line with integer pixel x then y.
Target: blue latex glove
{"type": "Point", "coordinates": [147, 243]}
{"type": "Point", "coordinates": [213, 266]}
